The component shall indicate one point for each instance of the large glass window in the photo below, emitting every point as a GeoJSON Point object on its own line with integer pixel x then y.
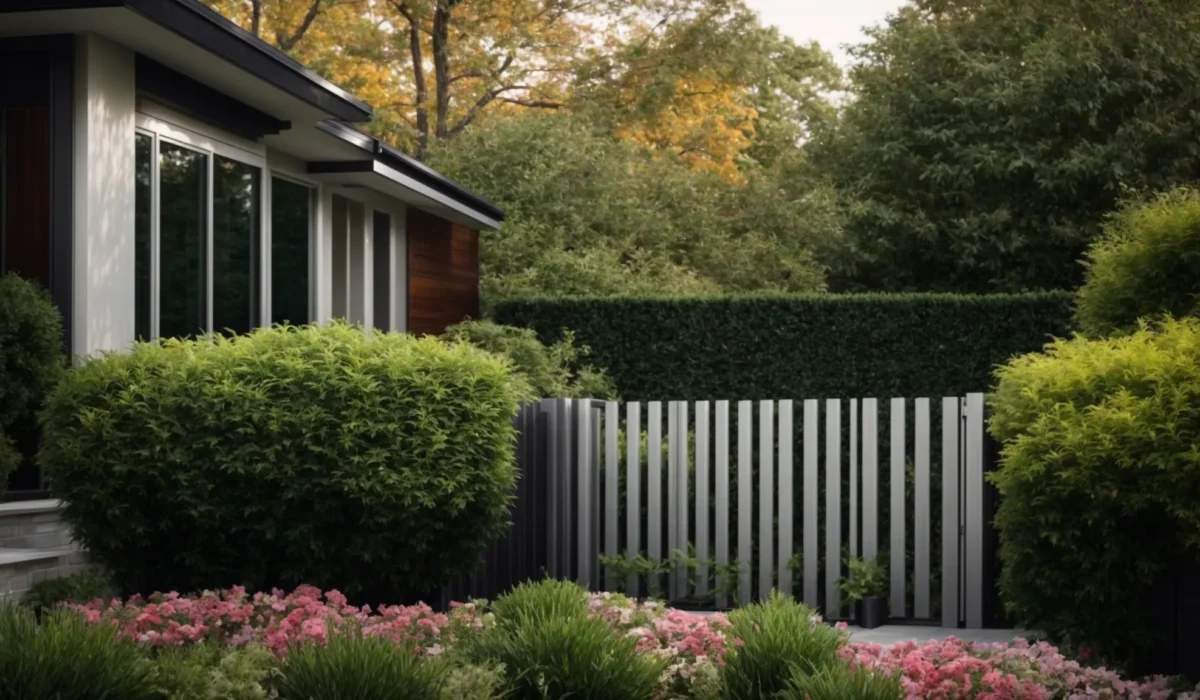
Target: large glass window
{"type": "Point", "coordinates": [291, 222]}
{"type": "Point", "coordinates": [235, 245]}
{"type": "Point", "coordinates": [183, 215]}
{"type": "Point", "coordinates": [141, 236]}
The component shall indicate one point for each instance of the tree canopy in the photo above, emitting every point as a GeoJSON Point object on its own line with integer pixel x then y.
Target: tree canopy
{"type": "Point", "coordinates": [986, 140]}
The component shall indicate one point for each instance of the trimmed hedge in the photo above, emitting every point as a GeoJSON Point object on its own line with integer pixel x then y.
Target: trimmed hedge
{"type": "Point", "coordinates": [380, 465]}
{"type": "Point", "coordinates": [809, 346]}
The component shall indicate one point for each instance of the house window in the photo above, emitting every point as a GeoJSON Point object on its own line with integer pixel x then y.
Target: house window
{"type": "Point", "coordinates": [291, 233]}
{"type": "Point", "coordinates": [183, 207]}
{"type": "Point", "coordinates": [141, 237]}
{"type": "Point", "coordinates": [236, 195]}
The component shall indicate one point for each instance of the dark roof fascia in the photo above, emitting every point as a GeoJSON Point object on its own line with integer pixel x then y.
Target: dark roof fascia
{"type": "Point", "coordinates": [412, 168]}
{"type": "Point", "coordinates": [199, 101]}
{"type": "Point", "coordinates": [208, 29]}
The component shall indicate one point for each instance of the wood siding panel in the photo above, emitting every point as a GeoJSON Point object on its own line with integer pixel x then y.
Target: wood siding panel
{"type": "Point", "coordinates": [443, 273]}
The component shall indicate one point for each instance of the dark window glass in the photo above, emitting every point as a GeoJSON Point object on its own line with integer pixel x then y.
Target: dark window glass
{"type": "Point", "coordinates": [235, 245]}
{"type": "Point", "coordinates": [383, 271]}
{"type": "Point", "coordinates": [291, 212]}
{"type": "Point", "coordinates": [183, 195]}
{"type": "Point", "coordinates": [141, 235]}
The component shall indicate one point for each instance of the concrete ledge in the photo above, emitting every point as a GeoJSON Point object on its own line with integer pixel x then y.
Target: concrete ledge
{"type": "Point", "coordinates": [46, 505]}
{"type": "Point", "coordinates": [20, 556]}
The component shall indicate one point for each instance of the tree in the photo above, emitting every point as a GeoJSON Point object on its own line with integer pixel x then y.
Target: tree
{"type": "Point", "coordinates": [987, 139]}
{"type": "Point", "coordinates": [592, 214]}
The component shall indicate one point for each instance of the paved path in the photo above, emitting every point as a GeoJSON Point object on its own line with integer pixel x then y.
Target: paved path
{"type": "Point", "coordinates": [894, 634]}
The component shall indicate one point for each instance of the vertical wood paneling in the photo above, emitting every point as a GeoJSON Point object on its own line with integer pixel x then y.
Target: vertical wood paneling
{"type": "Point", "coordinates": [443, 273]}
{"type": "Point", "coordinates": [27, 192]}
{"type": "Point", "coordinates": [633, 488]}
{"type": "Point", "coordinates": [702, 491]}
{"type": "Point", "coordinates": [870, 479]}
{"type": "Point", "coordinates": [745, 482]}
{"type": "Point", "coordinates": [897, 543]}
{"type": "Point", "coordinates": [921, 514]}
{"type": "Point", "coordinates": [833, 505]}
{"type": "Point", "coordinates": [786, 495]}
{"type": "Point", "coordinates": [766, 497]}
{"type": "Point", "coordinates": [811, 498]}
{"type": "Point", "coordinates": [721, 495]}
{"type": "Point", "coordinates": [654, 485]}
{"type": "Point", "coordinates": [951, 418]}
{"type": "Point", "coordinates": [612, 496]}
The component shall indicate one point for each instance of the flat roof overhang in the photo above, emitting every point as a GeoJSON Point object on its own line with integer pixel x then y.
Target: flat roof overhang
{"type": "Point", "coordinates": [380, 177]}
{"type": "Point", "coordinates": [196, 41]}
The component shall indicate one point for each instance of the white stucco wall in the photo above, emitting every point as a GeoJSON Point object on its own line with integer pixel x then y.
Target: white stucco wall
{"type": "Point", "coordinates": [104, 257]}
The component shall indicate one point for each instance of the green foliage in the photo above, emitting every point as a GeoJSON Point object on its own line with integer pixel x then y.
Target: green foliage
{"type": "Point", "coordinates": [68, 658]}
{"type": "Point", "coordinates": [546, 599]}
{"type": "Point", "coordinates": [589, 213]}
{"type": "Point", "coordinates": [31, 363]}
{"type": "Point", "coordinates": [76, 588]}
{"type": "Point", "coordinates": [1100, 479]}
{"type": "Point", "coordinates": [987, 139]}
{"type": "Point", "coordinates": [1145, 265]}
{"type": "Point", "coordinates": [567, 656]}
{"type": "Point", "coordinates": [556, 370]}
{"type": "Point", "coordinates": [379, 465]}
{"type": "Point", "coordinates": [471, 682]}
{"type": "Point", "coordinates": [865, 578]}
{"type": "Point", "coordinates": [722, 578]}
{"type": "Point", "coordinates": [779, 638]}
{"type": "Point", "coordinates": [354, 666]}
{"type": "Point", "coordinates": [840, 683]}
{"type": "Point", "coordinates": [745, 347]}
{"type": "Point", "coordinates": [209, 672]}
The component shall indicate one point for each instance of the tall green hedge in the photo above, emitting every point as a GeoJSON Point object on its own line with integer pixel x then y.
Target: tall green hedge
{"type": "Point", "coordinates": [810, 346]}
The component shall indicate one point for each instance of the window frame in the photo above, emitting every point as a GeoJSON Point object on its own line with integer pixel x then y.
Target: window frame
{"type": "Point", "coordinates": [162, 126]}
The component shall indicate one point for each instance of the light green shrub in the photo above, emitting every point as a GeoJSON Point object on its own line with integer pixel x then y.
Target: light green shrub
{"type": "Point", "coordinates": [1145, 265]}
{"type": "Point", "coordinates": [1100, 482]}
{"type": "Point", "coordinates": [779, 637]}
{"type": "Point", "coordinates": [553, 371]}
{"type": "Point", "coordinates": [841, 683]}
{"type": "Point", "coordinates": [211, 672]}
{"type": "Point", "coordinates": [546, 599]}
{"type": "Point", "coordinates": [354, 666]}
{"type": "Point", "coordinates": [381, 466]}
{"type": "Point", "coordinates": [68, 658]}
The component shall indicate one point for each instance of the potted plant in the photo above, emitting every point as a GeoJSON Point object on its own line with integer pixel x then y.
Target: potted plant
{"type": "Point", "coordinates": [864, 587]}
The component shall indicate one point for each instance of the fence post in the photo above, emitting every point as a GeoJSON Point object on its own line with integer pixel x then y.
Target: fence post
{"type": "Point", "coordinates": [897, 543]}
{"type": "Point", "coordinates": [833, 505]}
{"type": "Point", "coordinates": [612, 506]}
{"type": "Point", "coordinates": [766, 496]}
{"type": "Point", "coordinates": [811, 553]}
{"type": "Point", "coordinates": [633, 489]}
{"type": "Point", "coordinates": [721, 497]}
{"type": "Point", "coordinates": [973, 511]}
{"type": "Point", "coordinates": [786, 495]}
{"type": "Point", "coordinates": [745, 498]}
{"type": "Point", "coordinates": [702, 489]}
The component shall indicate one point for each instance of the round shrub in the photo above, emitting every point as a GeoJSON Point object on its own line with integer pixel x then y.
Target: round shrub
{"type": "Point", "coordinates": [381, 466]}
{"type": "Point", "coordinates": [1145, 265]}
{"type": "Point", "coordinates": [553, 371]}
{"type": "Point", "coordinates": [1100, 479]}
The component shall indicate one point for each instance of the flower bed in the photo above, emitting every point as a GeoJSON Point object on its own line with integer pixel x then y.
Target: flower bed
{"type": "Point", "coordinates": [693, 646]}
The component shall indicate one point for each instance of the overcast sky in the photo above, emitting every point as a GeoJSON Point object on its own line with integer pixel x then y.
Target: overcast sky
{"type": "Point", "coordinates": [830, 22]}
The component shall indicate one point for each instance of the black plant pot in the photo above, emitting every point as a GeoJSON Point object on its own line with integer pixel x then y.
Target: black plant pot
{"type": "Point", "coordinates": [872, 612]}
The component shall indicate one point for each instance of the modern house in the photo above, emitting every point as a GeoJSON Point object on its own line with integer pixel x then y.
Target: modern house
{"type": "Point", "coordinates": [164, 172]}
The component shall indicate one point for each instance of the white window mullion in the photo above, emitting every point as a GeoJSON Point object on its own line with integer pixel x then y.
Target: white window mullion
{"type": "Point", "coordinates": [155, 245]}
{"type": "Point", "coordinates": [208, 248]}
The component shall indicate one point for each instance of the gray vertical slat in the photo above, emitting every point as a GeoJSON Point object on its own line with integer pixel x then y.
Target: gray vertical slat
{"type": "Point", "coordinates": [596, 489]}
{"type": "Point", "coordinates": [612, 506]}
{"type": "Point", "coordinates": [973, 512]}
{"type": "Point", "coordinates": [833, 505]}
{"type": "Point", "coordinates": [672, 494]}
{"type": "Point", "coordinates": [786, 495]}
{"type": "Point", "coordinates": [566, 491]}
{"type": "Point", "coordinates": [654, 485]}
{"type": "Point", "coordinates": [745, 483]}
{"type": "Point", "coordinates": [870, 479]}
{"type": "Point", "coordinates": [897, 543]}
{"type": "Point", "coordinates": [583, 506]}
{"type": "Point", "coordinates": [812, 554]}
{"type": "Point", "coordinates": [682, 506]}
{"type": "Point", "coordinates": [921, 512]}
{"type": "Point", "coordinates": [552, 484]}
{"type": "Point", "coordinates": [633, 488]}
{"type": "Point", "coordinates": [721, 493]}
{"type": "Point", "coordinates": [702, 489]}
{"type": "Point", "coordinates": [951, 417]}
{"type": "Point", "coordinates": [766, 497]}
{"type": "Point", "coordinates": [854, 477]}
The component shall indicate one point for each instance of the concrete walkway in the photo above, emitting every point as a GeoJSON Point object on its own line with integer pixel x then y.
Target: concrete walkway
{"type": "Point", "coordinates": [895, 634]}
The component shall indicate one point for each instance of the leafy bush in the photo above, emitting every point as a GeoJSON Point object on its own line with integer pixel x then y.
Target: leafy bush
{"type": "Point", "coordinates": [31, 362]}
{"type": "Point", "coordinates": [865, 578]}
{"type": "Point", "coordinates": [553, 371]}
{"type": "Point", "coordinates": [807, 346]}
{"type": "Point", "coordinates": [542, 600]}
{"type": "Point", "coordinates": [840, 683]}
{"type": "Point", "coordinates": [76, 588]}
{"type": "Point", "coordinates": [67, 658]}
{"type": "Point", "coordinates": [354, 666]}
{"type": "Point", "coordinates": [209, 672]}
{"type": "Point", "coordinates": [1144, 265]}
{"type": "Point", "coordinates": [289, 455]}
{"type": "Point", "coordinates": [471, 682]}
{"type": "Point", "coordinates": [779, 637]}
{"type": "Point", "coordinates": [1100, 482]}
